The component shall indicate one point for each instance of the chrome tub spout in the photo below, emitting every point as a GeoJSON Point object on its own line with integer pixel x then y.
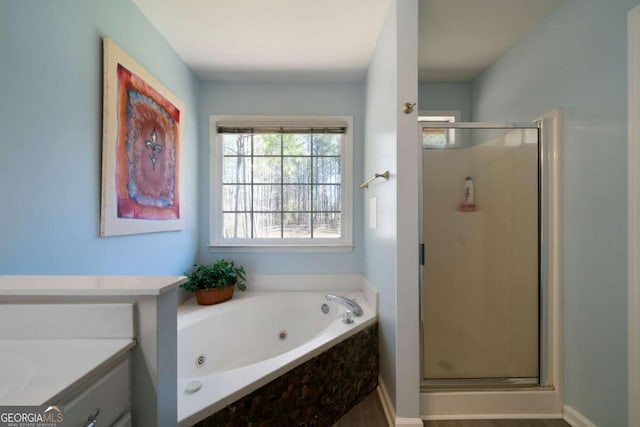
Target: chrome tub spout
{"type": "Point", "coordinates": [353, 308]}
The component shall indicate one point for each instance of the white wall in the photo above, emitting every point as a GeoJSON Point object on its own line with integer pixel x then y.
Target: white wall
{"type": "Point", "coordinates": [576, 59]}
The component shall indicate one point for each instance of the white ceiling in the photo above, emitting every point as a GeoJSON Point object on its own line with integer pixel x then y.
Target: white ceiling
{"type": "Point", "coordinates": [460, 38]}
{"type": "Point", "coordinates": [281, 40]}
{"type": "Point", "coordinates": [333, 40]}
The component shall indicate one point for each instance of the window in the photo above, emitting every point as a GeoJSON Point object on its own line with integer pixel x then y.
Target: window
{"type": "Point", "coordinates": [439, 137]}
{"type": "Point", "coordinates": [281, 183]}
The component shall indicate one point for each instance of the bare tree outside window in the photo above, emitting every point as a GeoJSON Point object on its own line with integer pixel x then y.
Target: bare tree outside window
{"type": "Point", "coordinates": [282, 185]}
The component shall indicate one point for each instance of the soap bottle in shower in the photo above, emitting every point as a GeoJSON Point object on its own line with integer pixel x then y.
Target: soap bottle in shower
{"type": "Point", "coordinates": [468, 204]}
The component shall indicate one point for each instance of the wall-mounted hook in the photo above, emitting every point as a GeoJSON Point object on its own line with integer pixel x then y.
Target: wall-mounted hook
{"type": "Point", "coordinates": [407, 107]}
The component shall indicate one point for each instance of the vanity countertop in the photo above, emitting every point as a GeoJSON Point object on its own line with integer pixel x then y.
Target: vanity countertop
{"type": "Point", "coordinates": [87, 285]}
{"type": "Point", "coordinates": [37, 371]}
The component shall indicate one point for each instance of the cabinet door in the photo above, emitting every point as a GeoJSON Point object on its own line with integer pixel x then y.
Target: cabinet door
{"type": "Point", "coordinates": [106, 400]}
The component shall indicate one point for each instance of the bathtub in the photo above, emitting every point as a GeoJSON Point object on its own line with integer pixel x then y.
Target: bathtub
{"type": "Point", "coordinates": [228, 350]}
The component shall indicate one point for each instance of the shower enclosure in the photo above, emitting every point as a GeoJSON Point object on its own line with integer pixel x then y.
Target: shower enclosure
{"type": "Point", "coordinates": [481, 256]}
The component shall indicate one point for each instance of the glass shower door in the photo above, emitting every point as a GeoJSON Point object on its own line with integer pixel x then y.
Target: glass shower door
{"type": "Point", "coordinates": [480, 296]}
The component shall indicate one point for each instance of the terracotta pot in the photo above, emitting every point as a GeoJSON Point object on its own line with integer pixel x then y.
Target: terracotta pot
{"type": "Point", "coordinates": [214, 296]}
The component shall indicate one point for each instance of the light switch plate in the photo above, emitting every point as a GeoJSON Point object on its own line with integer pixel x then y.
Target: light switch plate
{"type": "Point", "coordinates": [373, 212]}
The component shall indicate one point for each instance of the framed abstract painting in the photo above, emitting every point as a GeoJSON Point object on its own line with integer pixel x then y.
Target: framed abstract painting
{"type": "Point", "coordinates": [141, 149]}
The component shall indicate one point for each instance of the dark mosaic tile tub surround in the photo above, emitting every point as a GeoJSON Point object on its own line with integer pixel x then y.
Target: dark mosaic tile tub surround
{"type": "Point", "coordinates": [316, 393]}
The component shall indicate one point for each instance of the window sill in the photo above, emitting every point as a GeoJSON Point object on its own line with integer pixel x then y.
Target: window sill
{"type": "Point", "coordinates": [282, 248]}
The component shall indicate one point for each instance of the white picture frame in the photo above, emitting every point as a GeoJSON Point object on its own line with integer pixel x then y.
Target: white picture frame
{"type": "Point", "coordinates": [142, 182]}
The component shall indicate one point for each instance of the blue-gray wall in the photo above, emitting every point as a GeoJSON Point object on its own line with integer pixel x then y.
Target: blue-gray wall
{"type": "Point", "coordinates": [50, 149]}
{"type": "Point", "coordinates": [381, 154]}
{"type": "Point", "coordinates": [225, 98]}
{"type": "Point", "coordinates": [51, 139]}
{"type": "Point", "coordinates": [446, 96]}
{"type": "Point", "coordinates": [576, 59]}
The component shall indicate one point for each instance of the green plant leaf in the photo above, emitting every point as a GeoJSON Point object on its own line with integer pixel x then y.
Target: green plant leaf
{"type": "Point", "coordinates": [220, 274]}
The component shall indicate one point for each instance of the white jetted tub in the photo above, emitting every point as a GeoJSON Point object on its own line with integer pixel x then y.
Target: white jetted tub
{"type": "Point", "coordinates": [228, 350]}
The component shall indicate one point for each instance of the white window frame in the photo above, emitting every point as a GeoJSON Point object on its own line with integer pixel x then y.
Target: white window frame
{"type": "Point", "coordinates": [219, 244]}
{"type": "Point", "coordinates": [448, 116]}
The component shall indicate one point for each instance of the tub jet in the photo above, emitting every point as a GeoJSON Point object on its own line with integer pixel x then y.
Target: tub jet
{"type": "Point", "coordinates": [200, 360]}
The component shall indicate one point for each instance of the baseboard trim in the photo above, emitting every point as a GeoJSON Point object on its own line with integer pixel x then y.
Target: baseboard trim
{"type": "Point", "coordinates": [390, 412]}
{"type": "Point", "coordinates": [493, 417]}
{"type": "Point", "coordinates": [409, 422]}
{"type": "Point", "coordinates": [387, 405]}
{"type": "Point", "coordinates": [575, 418]}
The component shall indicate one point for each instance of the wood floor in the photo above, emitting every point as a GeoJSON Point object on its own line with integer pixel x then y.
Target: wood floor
{"type": "Point", "coordinates": [369, 413]}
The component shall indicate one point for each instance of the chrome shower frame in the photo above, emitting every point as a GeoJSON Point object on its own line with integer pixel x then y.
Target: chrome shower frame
{"type": "Point", "coordinates": [488, 383]}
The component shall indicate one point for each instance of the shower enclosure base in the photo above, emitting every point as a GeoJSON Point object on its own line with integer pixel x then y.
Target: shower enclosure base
{"type": "Point", "coordinates": [477, 383]}
{"type": "Point", "coordinates": [491, 403]}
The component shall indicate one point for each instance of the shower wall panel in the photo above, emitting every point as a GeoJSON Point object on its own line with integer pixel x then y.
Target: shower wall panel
{"type": "Point", "coordinates": [480, 308]}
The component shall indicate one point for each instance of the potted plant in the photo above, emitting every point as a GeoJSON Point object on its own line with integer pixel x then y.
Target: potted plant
{"type": "Point", "coordinates": [214, 283]}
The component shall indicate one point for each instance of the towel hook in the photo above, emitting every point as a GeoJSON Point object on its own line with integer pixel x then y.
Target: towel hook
{"type": "Point", "coordinates": [407, 107]}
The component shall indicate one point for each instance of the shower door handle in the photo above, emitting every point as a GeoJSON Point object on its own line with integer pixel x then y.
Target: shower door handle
{"type": "Point", "coordinates": [421, 253]}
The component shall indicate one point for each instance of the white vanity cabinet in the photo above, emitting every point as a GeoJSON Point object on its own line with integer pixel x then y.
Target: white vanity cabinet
{"type": "Point", "coordinates": [69, 331]}
{"type": "Point", "coordinates": [105, 400]}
